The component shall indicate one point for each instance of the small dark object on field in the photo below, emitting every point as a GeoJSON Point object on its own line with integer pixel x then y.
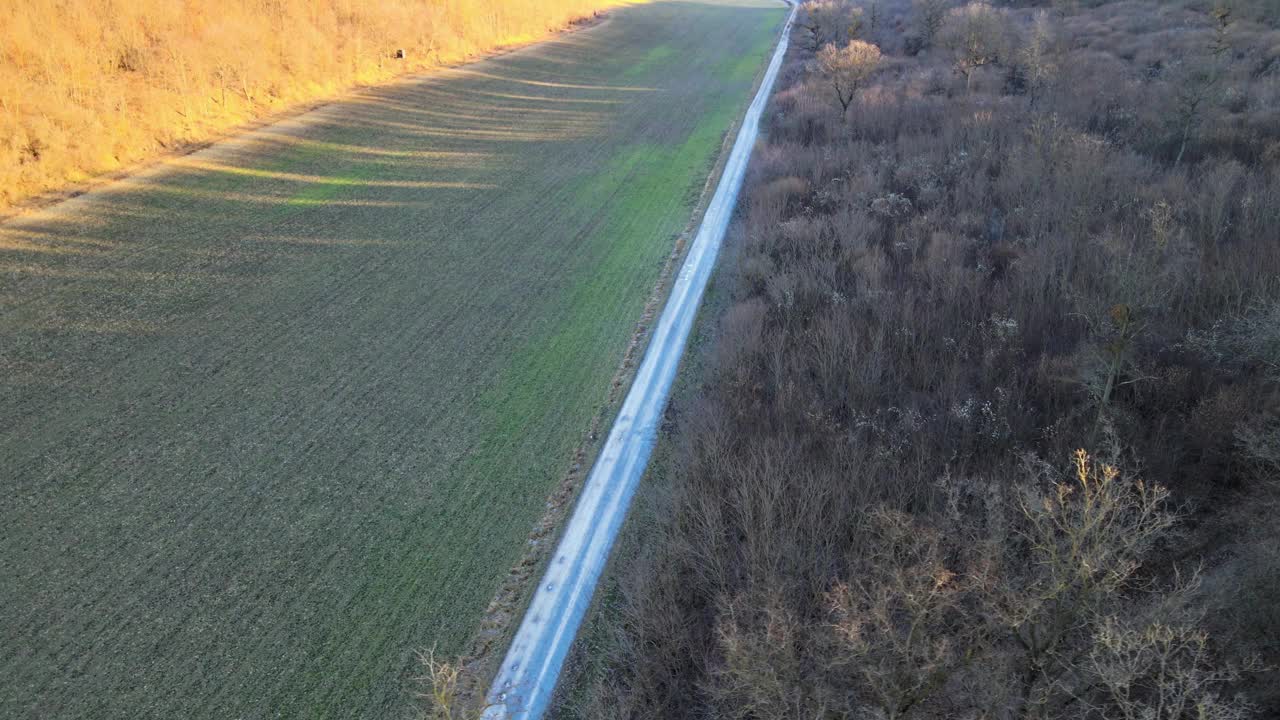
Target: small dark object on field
{"type": "Point", "coordinates": [398, 54]}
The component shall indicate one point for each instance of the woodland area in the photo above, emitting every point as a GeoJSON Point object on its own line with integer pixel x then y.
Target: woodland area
{"type": "Point", "coordinates": [988, 425]}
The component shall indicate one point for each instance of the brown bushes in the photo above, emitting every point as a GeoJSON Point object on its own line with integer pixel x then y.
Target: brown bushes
{"type": "Point", "coordinates": [999, 609]}
{"type": "Point", "coordinates": [89, 85]}
{"type": "Point", "coordinates": [932, 300]}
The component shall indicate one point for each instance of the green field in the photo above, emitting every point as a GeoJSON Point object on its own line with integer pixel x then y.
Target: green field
{"type": "Point", "coordinates": [285, 412]}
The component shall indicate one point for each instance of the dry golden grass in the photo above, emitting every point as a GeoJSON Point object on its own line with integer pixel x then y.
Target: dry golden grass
{"type": "Point", "coordinates": [87, 86]}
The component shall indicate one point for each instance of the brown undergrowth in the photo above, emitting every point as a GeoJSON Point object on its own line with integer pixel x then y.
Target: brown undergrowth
{"type": "Point", "coordinates": [92, 86]}
{"type": "Point", "coordinates": [1040, 227]}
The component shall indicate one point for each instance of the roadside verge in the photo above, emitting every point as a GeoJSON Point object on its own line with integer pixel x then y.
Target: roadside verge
{"type": "Point", "coordinates": [528, 675]}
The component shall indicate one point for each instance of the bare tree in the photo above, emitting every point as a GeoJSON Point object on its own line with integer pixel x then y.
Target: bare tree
{"type": "Point", "coordinates": [831, 21]}
{"type": "Point", "coordinates": [1158, 671]}
{"type": "Point", "coordinates": [930, 15]}
{"type": "Point", "coordinates": [1022, 607]}
{"type": "Point", "coordinates": [978, 35]}
{"type": "Point", "coordinates": [1087, 536]}
{"type": "Point", "coordinates": [875, 16]}
{"type": "Point", "coordinates": [446, 691]}
{"type": "Point", "coordinates": [847, 69]}
{"type": "Point", "coordinates": [1198, 80]}
{"type": "Point", "coordinates": [1039, 57]}
{"type": "Point", "coordinates": [821, 20]}
{"type": "Point", "coordinates": [902, 625]}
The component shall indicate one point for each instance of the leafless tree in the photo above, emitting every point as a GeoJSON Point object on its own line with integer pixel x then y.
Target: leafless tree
{"type": "Point", "coordinates": [1198, 80]}
{"type": "Point", "coordinates": [821, 20]}
{"type": "Point", "coordinates": [445, 690]}
{"type": "Point", "coordinates": [978, 35]}
{"type": "Point", "coordinates": [929, 18]}
{"type": "Point", "coordinates": [1039, 57]}
{"type": "Point", "coordinates": [847, 69]}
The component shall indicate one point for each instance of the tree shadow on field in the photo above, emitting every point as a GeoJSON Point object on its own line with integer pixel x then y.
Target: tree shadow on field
{"type": "Point", "coordinates": [147, 253]}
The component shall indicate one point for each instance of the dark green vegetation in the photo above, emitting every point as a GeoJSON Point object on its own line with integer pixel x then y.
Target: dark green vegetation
{"type": "Point", "coordinates": [1042, 226]}
{"type": "Point", "coordinates": [277, 417]}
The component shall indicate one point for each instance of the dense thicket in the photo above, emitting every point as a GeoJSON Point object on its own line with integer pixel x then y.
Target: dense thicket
{"type": "Point", "coordinates": [1035, 230]}
{"type": "Point", "coordinates": [89, 85]}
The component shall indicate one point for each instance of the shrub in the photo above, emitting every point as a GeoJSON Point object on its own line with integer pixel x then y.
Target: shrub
{"type": "Point", "coordinates": [447, 691]}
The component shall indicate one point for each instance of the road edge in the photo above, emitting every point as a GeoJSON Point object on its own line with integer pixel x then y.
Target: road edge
{"type": "Point", "coordinates": [480, 660]}
{"type": "Point", "coordinates": [530, 671]}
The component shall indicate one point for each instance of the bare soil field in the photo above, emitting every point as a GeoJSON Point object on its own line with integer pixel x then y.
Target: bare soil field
{"type": "Point", "coordinates": [282, 412]}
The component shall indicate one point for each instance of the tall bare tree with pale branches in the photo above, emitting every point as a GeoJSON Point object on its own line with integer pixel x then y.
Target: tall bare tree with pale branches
{"type": "Point", "coordinates": [978, 35]}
